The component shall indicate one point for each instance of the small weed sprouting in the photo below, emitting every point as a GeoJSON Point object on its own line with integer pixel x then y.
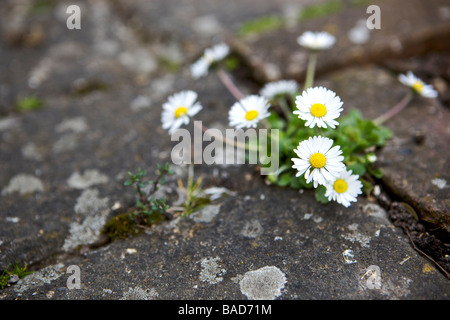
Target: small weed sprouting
{"type": "Point", "coordinates": [15, 270]}
{"type": "Point", "coordinates": [148, 210]}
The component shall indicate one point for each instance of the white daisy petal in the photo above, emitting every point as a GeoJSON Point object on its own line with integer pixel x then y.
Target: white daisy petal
{"type": "Point", "coordinates": [344, 188]}
{"type": "Point", "coordinates": [178, 109]}
{"type": "Point", "coordinates": [211, 55]}
{"type": "Point", "coordinates": [316, 40]}
{"type": "Point", "coordinates": [318, 160]}
{"type": "Point", "coordinates": [247, 112]}
{"type": "Point", "coordinates": [419, 87]}
{"type": "Point", "coordinates": [319, 106]}
{"type": "Point", "coordinates": [277, 88]}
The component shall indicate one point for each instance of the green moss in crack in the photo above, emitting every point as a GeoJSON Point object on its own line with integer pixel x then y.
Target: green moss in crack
{"type": "Point", "coordinates": [5, 275]}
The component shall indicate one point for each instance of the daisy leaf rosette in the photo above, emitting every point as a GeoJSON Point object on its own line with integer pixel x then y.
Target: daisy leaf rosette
{"type": "Point", "coordinates": [418, 86]}
{"type": "Point", "coordinates": [178, 110]}
{"type": "Point", "coordinates": [344, 189]}
{"type": "Point", "coordinates": [318, 106]}
{"type": "Point", "coordinates": [318, 160]}
{"type": "Point", "coordinates": [247, 112]}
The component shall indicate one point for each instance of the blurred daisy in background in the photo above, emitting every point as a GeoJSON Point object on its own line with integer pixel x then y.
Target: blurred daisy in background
{"type": "Point", "coordinates": [419, 87]}
{"type": "Point", "coordinates": [210, 55]}
{"type": "Point", "coordinates": [318, 160]}
{"type": "Point", "coordinates": [178, 109]}
{"type": "Point", "coordinates": [247, 112]}
{"type": "Point", "coordinates": [316, 40]}
{"type": "Point", "coordinates": [344, 189]}
{"type": "Point", "coordinates": [319, 106]}
{"type": "Point", "coordinates": [279, 88]}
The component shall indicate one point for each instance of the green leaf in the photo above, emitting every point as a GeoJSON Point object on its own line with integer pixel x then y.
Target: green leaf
{"type": "Point", "coordinates": [375, 172]}
{"type": "Point", "coordinates": [357, 168]}
{"type": "Point", "coordinates": [320, 194]}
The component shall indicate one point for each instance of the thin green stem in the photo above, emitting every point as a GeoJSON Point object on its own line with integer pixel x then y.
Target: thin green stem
{"type": "Point", "coordinates": [285, 108]}
{"type": "Point", "coordinates": [395, 110]}
{"type": "Point", "coordinates": [311, 69]}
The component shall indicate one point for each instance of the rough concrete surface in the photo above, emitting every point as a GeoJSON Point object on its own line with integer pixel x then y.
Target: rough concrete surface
{"type": "Point", "coordinates": [63, 165]}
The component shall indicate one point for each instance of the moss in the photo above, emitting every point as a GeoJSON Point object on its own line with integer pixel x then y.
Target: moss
{"type": "Point", "coordinates": [129, 224]}
{"type": "Point", "coordinates": [29, 103]}
{"type": "Point", "coordinates": [121, 226]}
{"type": "Point", "coordinates": [259, 25]}
{"type": "Point", "coordinates": [314, 11]}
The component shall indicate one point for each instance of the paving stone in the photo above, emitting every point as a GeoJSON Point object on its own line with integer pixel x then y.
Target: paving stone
{"type": "Point", "coordinates": [74, 155]}
{"type": "Point", "coordinates": [409, 30]}
{"type": "Point", "coordinates": [299, 253]}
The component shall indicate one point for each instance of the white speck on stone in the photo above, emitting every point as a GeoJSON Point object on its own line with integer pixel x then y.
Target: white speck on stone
{"type": "Point", "coordinates": [263, 284]}
{"type": "Point", "coordinates": [8, 123]}
{"type": "Point", "coordinates": [355, 236]}
{"type": "Point", "coordinates": [348, 256]}
{"type": "Point", "coordinates": [138, 60]}
{"type": "Point", "coordinates": [23, 184]}
{"type": "Point", "coordinates": [207, 25]}
{"type": "Point", "coordinates": [252, 229]}
{"type": "Point", "coordinates": [89, 203]}
{"type": "Point", "coordinates": [140, 103]}
{"type": "Point", "coordinates": [206, 214]}
{"type": "Point", "coordinates": [277, 238]}
{"type": "Point", "coordinates": [138, 293]}
{"type": "Point", "coordinates": [262, 197]}
{"type": "Point", "coordinates": [66, 142]}
{"type": "Point", "coordinates": [215, 193]}
{"type": "Point", "coordinates": [376, 211]}
{"type": "Point", "coordinates": [12, 219]}
{"type": "Point", "coordinates": [318, 219]}
{"type": "Point", "coordinates": [77, 124]}
{"type": "Point", "coordinates": [87, 179]}
{"type": "Point", "coordinates": [29, 151]}
{"type": "Point", "coordinates": [359, 34]}
{"type": "Point", "coordinates": [211, 272]}
{"type": "Point", "coordinates": [307, 216]}
{"type": "Point", "coordinates": [131, 251]}
{"type": "Point", "coordinates": [440, 183]}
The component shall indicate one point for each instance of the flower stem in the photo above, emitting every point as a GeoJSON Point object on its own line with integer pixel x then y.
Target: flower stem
{"type": "Point", "coordinates": [311, 69]}
{"type": "Point", "coordinates": [285, 108]}
{"type": "Point", "coordinates": [228, 83]}
{"type": "Point", "coordinates": [395, 110]}
{"type": "Point", "coordinates": [231, 143]}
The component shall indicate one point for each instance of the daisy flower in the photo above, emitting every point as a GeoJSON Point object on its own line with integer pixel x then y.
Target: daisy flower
{"type": "Point", "coordinates": [318, 160]}
{"type": "Point", "coordinates": [344, 189]}
{"type": "Point", "coordinates": [316, 40]}
{"type": "Point", "coordinates": [210, 56]}
{"type": "Point", "coordinates": [281, 87]}
{"type": "Point", "coordinates": [178, 110]}
{"type": "Point", "coordinates": [247, 112]}
{"type": "Point", "coordinates": [425, 90]}
{"type": "Point", "coordinates": [319, 106]}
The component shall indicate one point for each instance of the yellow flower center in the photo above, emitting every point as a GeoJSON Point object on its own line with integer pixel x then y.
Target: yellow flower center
{"type": "Point", "coordinates": [418, 86]}
{"type": "Point", "coordinates": [318, 110]}
{"type": "Point", "coordinates": [340, 186]}
{"type": "Point", "coordinates": [318, 160]}
{"type": "Point", "coordinates": [181, 111]}
{"type": "Point", "coordinates": [250, 115]}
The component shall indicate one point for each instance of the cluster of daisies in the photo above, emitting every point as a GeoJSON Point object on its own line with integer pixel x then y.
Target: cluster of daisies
{"type": "Point", "coordinates": [319, 160]}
